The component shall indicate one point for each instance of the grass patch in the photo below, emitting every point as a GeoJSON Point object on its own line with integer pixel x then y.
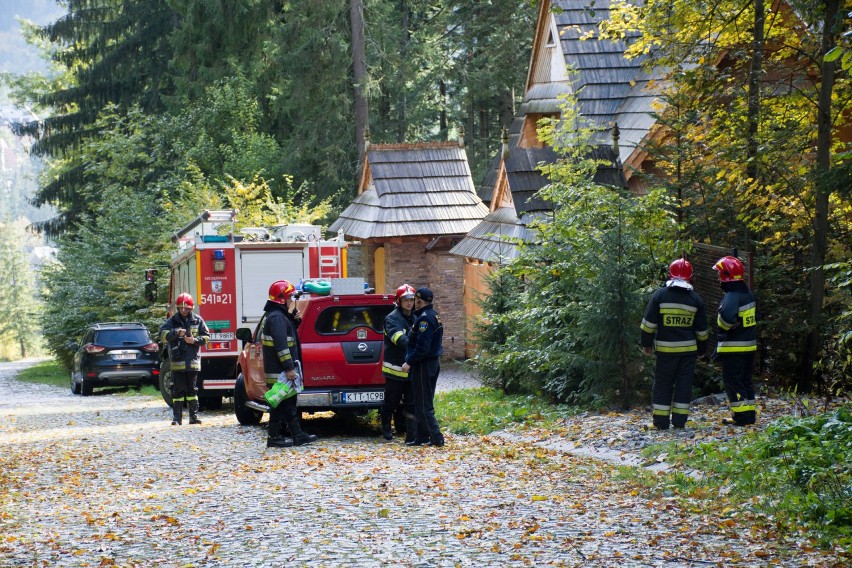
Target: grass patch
{"type": "Point", "coordinates": [52, 373]}
{"type": "Point", "coordinates": [46, 373]}
{"type": "Point", "coordinates": [797, 471]}
{"type": "Point", "coordinates": [485, 410]}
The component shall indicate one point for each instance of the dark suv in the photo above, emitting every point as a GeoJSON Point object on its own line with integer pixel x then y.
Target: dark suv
{"type": "Point", "coordinates": [114, 354]}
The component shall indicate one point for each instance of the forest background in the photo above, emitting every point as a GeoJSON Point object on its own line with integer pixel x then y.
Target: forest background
{"type": "Point", "coordinates": [152, 111]}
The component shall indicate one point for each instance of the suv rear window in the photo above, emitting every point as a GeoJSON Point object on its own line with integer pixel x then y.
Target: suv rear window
{"type": "Point", "coordinates": [122, 337]}
{"type": "Point", "coordinates": [338, 320]}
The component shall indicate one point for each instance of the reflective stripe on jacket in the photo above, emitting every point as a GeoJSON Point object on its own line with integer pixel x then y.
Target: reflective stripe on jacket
{"type": "Point", "coordinates": [281, 347]}
{"type": "Point", "coordinates": [737, 320]}
{"type": "Point", "coordinates": [183, 356]}
{"type": "Point", "coordinates": [396, 328]}
{"type": "Point", "coordinates": [675, 322]}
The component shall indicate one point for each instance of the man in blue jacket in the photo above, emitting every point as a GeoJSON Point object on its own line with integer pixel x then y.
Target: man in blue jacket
{"type": "Point", "coordinates": [423, 364]}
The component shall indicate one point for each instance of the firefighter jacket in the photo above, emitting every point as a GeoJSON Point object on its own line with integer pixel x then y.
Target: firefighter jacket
{"type": "Point", "coordinates": [737, 319]}
{"type": "Point", "coordinates": [426, 338]}
{"type": "Point", "coordinates": [397, 327]}
{"type": "Point", "coordinates": [281, 347]}
{"type": "Point", "coordinates": [183, 356]}
{"type": "Point", "coordinates": [675, 321]}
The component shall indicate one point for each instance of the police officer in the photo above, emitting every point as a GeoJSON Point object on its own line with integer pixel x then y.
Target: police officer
{"type": "Point", "coordinates": [184, 333]}
{"type": "Point", "coordinates": [675, 324]}
{"type": "Point", "coordinates": [397, 325]}
{"type": "Point", "coordinates": [737, 333]}
{"type": "Point", "coordinates": [423, 364]}
{"type": "Point", "coordinates": [281, 351]}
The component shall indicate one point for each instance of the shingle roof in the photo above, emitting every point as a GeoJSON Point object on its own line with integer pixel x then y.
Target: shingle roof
{"type": "Point", "coordinates": [495, 238]}
{"type": "Point", "coordinates": [413, 189]}
{"type": "Point", "coordinates": [610, 88]}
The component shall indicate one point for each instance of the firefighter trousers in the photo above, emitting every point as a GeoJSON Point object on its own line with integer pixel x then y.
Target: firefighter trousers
{"type": "Point", "coordinates": [672, 390]}
{"type": "Point", "coordinates": [184, 386]}
{"type": "Point", "coordinates": [736, 374]}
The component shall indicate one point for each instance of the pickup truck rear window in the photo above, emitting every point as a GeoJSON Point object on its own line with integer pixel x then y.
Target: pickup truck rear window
{"type": "Point", "coordinates": [339, 320]}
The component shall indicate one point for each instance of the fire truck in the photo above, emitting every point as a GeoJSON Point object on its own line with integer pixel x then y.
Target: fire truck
{"type": "Point", "coordinates": [229, 274]}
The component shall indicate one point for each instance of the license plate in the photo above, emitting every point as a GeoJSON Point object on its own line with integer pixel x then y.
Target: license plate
{"type": "Point", "coordinates": [123, 356]}
{"type": "Point", "coordinates": [222, 336]}
{"type": "Point", "coordinates": [355, 397]}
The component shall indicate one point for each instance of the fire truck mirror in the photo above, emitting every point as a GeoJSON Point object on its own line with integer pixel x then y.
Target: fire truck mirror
{"type": "Point", "coordinates": [150, 275]}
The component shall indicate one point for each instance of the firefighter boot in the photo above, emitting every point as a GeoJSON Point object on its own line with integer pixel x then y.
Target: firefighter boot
{"type": "Point", "coordinates": [193, 412]}
{"type": "Point", "coordinates": [300, 438]}
{"type": "Point", "coordinates": [275, 437]}
{"type": "Point", "coordinates": [177, 412]}
{"type": "Point", "coordinates": [387, 434]}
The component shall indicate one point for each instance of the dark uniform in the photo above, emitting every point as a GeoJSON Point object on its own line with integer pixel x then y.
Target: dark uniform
{"type": "Point", "coordinates": [425, 346]}
{"type": "Point", "coordinates": [185, 360]}
{"type": "Point", "coordinates": [281, 350]}
{"type": "Point", "coordinates": [675, 323]}
{"type": "Point", "coordinates": [737, 332]}
{"type": "Point", "coordinates": [397, 383]}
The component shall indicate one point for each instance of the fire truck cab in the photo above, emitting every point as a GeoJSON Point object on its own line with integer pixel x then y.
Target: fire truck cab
{"type": "Point", "coordinates": [229, 274]}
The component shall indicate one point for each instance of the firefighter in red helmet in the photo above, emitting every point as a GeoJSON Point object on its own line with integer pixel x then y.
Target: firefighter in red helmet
{"type": "Point", "coordinates": [184, 333]}
{"type": "Point", "coordinates": [737, 333]}
{"type": "Point", "coordinates": [397, 325]}
{"type": "Point", "coordinates": [282, 356]}
{"type": "Point", "coordinates": [675, 326]}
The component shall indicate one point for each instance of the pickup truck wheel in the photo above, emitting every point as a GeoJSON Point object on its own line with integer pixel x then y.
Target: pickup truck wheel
{"type": "Point", "coordinates": [166, 381]}
{"type": "Point", "coordinates": [245, 415]}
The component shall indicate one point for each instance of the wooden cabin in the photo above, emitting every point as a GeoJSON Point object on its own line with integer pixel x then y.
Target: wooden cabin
{"type": "Point", "coordinates": [414, 203]}
{"type": "Point", "coordinates": [613, 98]}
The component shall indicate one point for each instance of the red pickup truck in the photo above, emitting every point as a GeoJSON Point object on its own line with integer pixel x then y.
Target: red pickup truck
{"type": "Point", "coordinates": [341, 337]}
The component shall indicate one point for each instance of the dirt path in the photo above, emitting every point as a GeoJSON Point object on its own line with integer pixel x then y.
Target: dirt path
{"type": "Point", "coordinates": [104, 480]}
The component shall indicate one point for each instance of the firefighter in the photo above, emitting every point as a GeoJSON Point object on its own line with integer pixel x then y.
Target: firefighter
{"type": "Point", "coordinates": [184, 333]}
{"type": "Point", "coordinates": [397, 384]}
{"type": "Point", "coordinates": [423, 364]}
{"type": "Point", "coordinates": [281, 352]}
{"type": "Point", "coordinates": [675, 326]}
{"type": "Point", "coordinates": [737, 332]}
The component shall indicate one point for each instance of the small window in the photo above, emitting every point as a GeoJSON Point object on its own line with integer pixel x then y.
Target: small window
{"type": "Point", "coordinates": [340, 320]}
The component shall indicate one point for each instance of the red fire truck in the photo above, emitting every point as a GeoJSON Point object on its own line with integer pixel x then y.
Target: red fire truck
{"type": "Point", "coordinates": [229, 275]}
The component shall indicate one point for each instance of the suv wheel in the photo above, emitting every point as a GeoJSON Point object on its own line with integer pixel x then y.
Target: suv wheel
{"type": "Point", "coordinates": [245, 415]}
{"type": "Point", "coordinates": [75, 388]}
{"type": "Point", "coordinates": [86, 388]}
{"type": "Point", "coordinates": [166, 381]}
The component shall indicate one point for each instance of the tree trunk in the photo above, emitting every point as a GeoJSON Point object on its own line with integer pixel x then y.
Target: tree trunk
{"type": "Point", "coordinates": [359, 76]}
{"type": "Point", "coordinates": [821, 194]}
{"type": "Point", "coordinates": [753, 120]}
{"type": "Point", "coordinates": [405, 40]}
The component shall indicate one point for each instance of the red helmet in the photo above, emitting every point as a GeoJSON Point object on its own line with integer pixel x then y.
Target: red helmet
{"type": "Point", "coordinates": [184, 300]}
{"type": "Point", "coordinates": [280, 291]}
{"type": "Point", "coordinates": [681, 269]}
{"type": "Point", "coordinates": [403, 292]}
{"type": "Point", "coordinates": [730, 269]}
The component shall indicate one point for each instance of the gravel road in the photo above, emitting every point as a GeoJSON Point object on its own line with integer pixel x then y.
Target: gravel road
{"type": "Point", "coordinates": [106, 481]}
